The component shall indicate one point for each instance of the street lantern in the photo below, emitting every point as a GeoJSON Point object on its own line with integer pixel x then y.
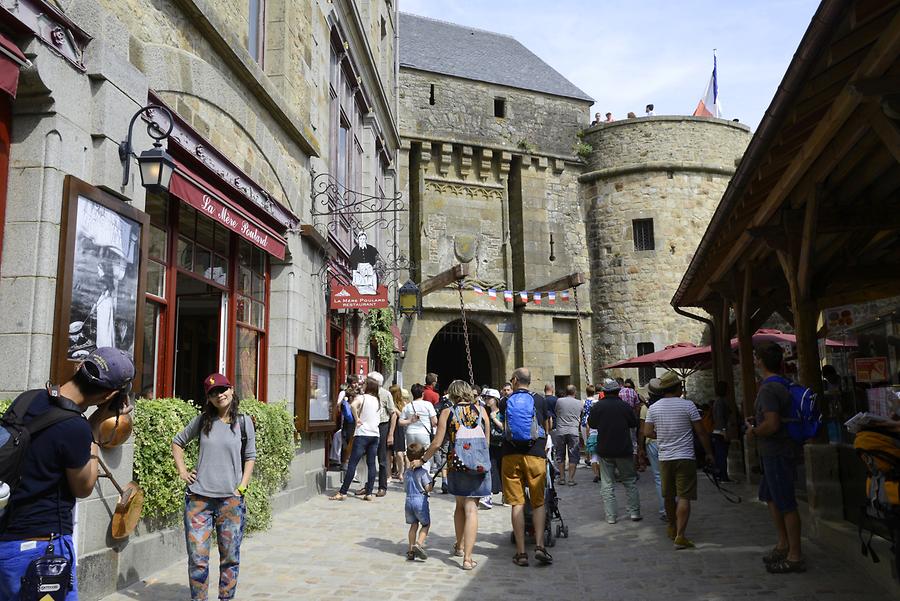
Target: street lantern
{"type": "Point", "coordinates": [156, 168]}
{"type": "Point", "coordinates": [410, 299]}
{"type": "Point", "coordinates": [156, 164]}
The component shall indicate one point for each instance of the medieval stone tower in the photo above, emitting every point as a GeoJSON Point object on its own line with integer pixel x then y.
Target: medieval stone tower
{"type": "Point", "coordinates": [650, 187]}
{"type": "Point", "coordinates": [489, 167]}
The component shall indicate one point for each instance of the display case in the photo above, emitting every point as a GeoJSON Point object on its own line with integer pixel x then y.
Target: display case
{"type": "Point", "coordinates": [315, 392]}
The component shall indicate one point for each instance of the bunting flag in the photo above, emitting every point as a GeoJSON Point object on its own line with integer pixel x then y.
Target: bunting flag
{"type": "Point", "coordinates": [537, 298]}
{"type": "Point", "coordinates": [477, 289]}
{"type": "Point", "coordinates": [564, 296]}
{"type": "Point", "coordinates": [524, 296]}
{"type": "Point", "coordinates": [492, 294]}
{"type": "Point", "coordinates": [551, 298]}
{"type": "Point", "coordinates": [508, 296]}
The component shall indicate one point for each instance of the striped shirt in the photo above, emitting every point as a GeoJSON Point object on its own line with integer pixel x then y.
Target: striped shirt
{"type": "Point", "coordinates": [672, 418]}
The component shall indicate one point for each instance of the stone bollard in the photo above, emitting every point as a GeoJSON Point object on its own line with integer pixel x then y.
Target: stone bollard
{"type": "Point", "coordinates": [823, 483]}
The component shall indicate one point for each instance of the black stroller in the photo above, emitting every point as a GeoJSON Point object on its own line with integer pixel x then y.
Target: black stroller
{"type": "Point", "coordinates": [551, 505]}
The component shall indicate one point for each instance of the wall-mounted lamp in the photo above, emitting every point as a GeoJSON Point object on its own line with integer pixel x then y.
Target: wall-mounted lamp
{"type": "Point", "coordinates": [156, 164]}
{"type": "Point", "coordinates": [410, 299]}
{"type": "Point", "coordinates": [552, 256]}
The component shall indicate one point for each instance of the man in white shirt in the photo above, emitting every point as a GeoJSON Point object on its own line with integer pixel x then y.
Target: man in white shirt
{"type": "Point", "coordinates": [673, 421]}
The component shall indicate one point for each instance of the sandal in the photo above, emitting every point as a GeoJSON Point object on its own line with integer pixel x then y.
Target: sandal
{"type": "Point", "coordinates": [469, 564]}
{"type": "Point", "coordinates": [457, 551]}
{"type": "Point", "coordinates": [337, 497]}
{"type": "Point", "coordinates": [785, 566]}
{"type": "Point", "coordinates": [540, 553]}
{"type": "Point", "coordinates": [774, 556]}
{"type": "Point", "coordinates": [573, 483]}
{"type": "Point", "coordinates": [521, 559]}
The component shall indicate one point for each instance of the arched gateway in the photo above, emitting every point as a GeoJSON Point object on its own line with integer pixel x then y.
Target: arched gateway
{"type": "Point", "coordinates": [447, 355]}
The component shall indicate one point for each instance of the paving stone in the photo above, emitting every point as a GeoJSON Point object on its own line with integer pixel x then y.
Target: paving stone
{"type": "Point", "coordinates": [352, 550]}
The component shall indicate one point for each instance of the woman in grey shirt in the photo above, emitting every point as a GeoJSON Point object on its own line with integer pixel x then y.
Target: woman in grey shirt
{"type": "Point", "coordinates": [216, 488]}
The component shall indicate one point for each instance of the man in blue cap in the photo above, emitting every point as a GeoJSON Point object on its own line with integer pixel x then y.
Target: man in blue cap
{"type": "Point", "coordinates": [60, 463]}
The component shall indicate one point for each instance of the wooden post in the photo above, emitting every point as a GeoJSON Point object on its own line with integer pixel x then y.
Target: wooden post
{"type": "Point", "coordinates": [745, 342]}
{"type": "Point", "coordinates": [726, 374]}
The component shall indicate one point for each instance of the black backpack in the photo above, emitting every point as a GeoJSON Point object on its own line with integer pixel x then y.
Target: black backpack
{"type": "Point", "coordinates": [16, 435]}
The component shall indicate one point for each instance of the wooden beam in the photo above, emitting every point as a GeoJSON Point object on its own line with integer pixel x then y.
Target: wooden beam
{"type": "Point", "coordinates": [743, 310]}
{"type": "Point", "coordinates": [454, 274]}
{"type": "Point", "coordinates": [808, 241]}
{"type": "Point", "coordinates": [886, 130]}
{"type": "Point", "coordinates": [876, 86]}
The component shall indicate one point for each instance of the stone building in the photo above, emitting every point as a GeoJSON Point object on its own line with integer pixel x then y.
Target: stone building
{"type": "Point", "coordinates": [263, 95]}
{"type": "Point", "coordinates": [487, 158]}
{"type": "Point", "coordinates": [650, 186]}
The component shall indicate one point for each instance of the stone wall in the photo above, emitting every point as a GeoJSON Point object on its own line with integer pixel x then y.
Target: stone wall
{"type": "Point", "coordinates": [463, 111]}
{"type": "Point", "coordinates": [672, 170]}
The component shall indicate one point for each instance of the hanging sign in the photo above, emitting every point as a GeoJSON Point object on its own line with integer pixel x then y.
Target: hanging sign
{"type": "Point", "coordinates": [871, 370]}
{"type": "Point", "coordinates": [348, 296]}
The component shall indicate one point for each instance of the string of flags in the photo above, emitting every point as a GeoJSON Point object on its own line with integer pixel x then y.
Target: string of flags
{"type": "Point", "coordinates": [525, 296]}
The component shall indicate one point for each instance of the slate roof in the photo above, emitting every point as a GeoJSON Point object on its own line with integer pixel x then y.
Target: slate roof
{"type": "Point", "coordinates": [450, 49]}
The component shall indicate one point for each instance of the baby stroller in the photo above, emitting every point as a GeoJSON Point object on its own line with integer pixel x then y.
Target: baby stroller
{"type": "Point", "coordinates": [551, 507]}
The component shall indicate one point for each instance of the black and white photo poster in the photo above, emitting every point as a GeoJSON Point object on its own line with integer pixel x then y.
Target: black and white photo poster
{"type": "Point", "coordinates": [106, 267]}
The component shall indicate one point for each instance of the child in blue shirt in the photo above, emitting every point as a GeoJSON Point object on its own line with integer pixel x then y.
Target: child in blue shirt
{"type": "Point", "coordinates": [418, 484]}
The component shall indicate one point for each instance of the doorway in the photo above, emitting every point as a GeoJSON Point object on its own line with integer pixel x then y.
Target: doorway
{"type": "Point", "coordinates": [198, 347]}
{"type": "Point", "coordinates": [447, 355]}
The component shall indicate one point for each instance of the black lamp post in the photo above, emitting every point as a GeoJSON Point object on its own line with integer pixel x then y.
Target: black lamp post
{"type": "Point", "coordinates": [156, 164]}
{"type": "Point", "coordinates": [410, 299]}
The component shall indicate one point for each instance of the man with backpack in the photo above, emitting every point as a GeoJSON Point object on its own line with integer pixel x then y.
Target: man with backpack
{"type": "Point", "coordinates": [49, 457]}
{"type": "Point", "coordinates": [776, 448]}
{"type": "Point", "coordinates": [525, 428]}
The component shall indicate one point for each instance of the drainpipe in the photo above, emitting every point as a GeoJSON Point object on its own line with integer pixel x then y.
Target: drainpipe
{"type": "Point", "coordinates": [712, 330]}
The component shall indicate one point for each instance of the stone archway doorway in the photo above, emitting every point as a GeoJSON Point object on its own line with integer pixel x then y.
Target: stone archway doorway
{"type": "Point", "coordinates": [447, 355]}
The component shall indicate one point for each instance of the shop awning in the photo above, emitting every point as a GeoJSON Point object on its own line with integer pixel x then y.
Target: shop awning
{"type": "Point", "coordinates": [11, 60]}
{"type": "Point", "coordinates": [201, 195]}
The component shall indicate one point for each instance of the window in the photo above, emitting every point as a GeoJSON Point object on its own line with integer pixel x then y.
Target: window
{"type": "Point", "coordinates": [257, 27]}
{"type": "Point", "coordinates": [251, 317]}
{"type": "Point", "coordinates": [643, 234]}
{"type": "Point", "coordinates": [645, 374]}
{"type": "Point", "coordinates": [383, 28]}
{"type": "Point", "coordinates": [431, 96]}
{"type": "Point", "coordinates": [500, 108]}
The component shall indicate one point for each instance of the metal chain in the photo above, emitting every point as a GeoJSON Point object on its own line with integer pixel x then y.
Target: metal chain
{"type": "Point", "coordinates": [462, 311]}
{"type": "Point", "coordinates": [584, 361]}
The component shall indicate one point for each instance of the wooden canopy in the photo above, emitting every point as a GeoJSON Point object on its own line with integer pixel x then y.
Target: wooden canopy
{"type": "Point", "coordinates": [811, 217]}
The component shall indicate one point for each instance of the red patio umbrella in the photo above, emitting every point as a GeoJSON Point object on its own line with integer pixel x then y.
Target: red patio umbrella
{"type": "Point", "coordinates": [684, 357]}
{"type": "Point", "coordinates": [779, 337]}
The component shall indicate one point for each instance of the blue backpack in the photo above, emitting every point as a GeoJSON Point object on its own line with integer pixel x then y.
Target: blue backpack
{"type": "Point", "coordinates": [520, 423]}
{"type": "Point", "coordinates": [347, 412]}
{"type": "Point", "coordinates": [806, 417]}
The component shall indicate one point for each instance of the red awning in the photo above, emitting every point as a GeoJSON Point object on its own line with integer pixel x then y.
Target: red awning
{"type": "Point", "coordinates": [11, 59]}
{"type": "Point", "coordinates": [779, 337]}
{"type": "Point", "coordinates": [679, 355]}
{"type": "Point", "coordinates": [193, 190]}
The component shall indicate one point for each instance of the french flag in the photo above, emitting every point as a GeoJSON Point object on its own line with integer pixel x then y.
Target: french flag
{"type": "Point", "coordinates": [551, 298]}
{"type": "Point", "coordinates": [477, 289]}
{"type": "Point", "coordinates": [508, 296]}
{"type": "Point", "coordinates": [492, 294]}
{"type": "Point", "coordinates": [524, 296]}
{"type": "Point", "coordinates": [537, 298]}
{"type": "Point", "coordinates": [564, 296]}
{"type": "Point", "coordinates": [709, 105]}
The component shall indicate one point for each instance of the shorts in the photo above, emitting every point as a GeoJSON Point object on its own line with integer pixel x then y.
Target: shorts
{"type": "Point", "coordinates": [570, 443]}
{"type": "Point", "coordinates": [519, 472]}
{"type": "Point", "coordinates": [777, 483]}
{"type": "Point", "coordinates": [678, 479]}
{"type": "Point", "coordinates": [417, 511]}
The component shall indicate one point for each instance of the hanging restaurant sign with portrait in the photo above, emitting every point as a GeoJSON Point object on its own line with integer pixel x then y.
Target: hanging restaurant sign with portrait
{"type": "Point", "coordinates": [366, 290]}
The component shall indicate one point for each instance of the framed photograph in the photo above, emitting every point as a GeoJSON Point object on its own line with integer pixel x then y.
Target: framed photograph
{"type": "Point", "coordinates": [100, 278]}
{"type": "Point", "coordinates": [315, 392]}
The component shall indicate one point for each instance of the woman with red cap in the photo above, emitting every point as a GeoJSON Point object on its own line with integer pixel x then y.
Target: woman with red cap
{"type": "Point", "coordinates": [216, 488]}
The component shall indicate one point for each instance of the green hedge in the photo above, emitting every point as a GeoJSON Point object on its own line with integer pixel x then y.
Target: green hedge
{"type": "Point", "coordinates": [157, 421]}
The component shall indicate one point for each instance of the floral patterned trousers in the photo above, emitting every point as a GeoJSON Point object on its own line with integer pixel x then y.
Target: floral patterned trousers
{"type": "Point", "coordinates": [201, 516]}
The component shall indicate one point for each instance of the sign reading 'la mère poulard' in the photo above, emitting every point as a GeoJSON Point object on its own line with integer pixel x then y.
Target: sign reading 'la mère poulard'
{"type": "Point", "coordinates": [347, 296]}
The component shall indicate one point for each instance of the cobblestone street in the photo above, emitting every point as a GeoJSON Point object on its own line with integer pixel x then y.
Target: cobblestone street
{"type": "Point", "coordinates": [356, 550]}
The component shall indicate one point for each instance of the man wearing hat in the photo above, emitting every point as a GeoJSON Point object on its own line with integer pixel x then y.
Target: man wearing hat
{"type": "Point", "coordinates": [60, 463]}
{"type": "Point", "coordinates": [613, 419]}
{"type": "Point", "coordinates": [673, 421]}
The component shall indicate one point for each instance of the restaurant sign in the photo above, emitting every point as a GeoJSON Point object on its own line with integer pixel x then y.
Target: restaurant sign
{"type": "Point", "coordinates": [871, 370]}
{"type": "Point", "coordinates": [348, 296]}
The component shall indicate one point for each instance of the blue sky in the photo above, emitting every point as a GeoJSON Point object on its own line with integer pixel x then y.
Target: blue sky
{"type": "Point", "coordinates": [628, 54]}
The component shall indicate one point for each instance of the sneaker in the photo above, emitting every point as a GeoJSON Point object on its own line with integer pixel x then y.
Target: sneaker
{"type": "Point", "coordinates": [485, 503]}
{"type": "Point", "coordinates": [682, 542]}
{"type": "Point", "coordinates": [610, 520]}
{"type": "Point", "coordinates": [636, 517]}
{"type": "Point", "coordinates": [419, 552]}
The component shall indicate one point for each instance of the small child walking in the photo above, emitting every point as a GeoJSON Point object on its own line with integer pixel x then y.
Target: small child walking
{"type": "Point", "coordinates": [418, 484]}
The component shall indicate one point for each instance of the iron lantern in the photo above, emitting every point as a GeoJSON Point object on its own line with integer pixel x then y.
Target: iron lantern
{"type": "Point", "coordinates": [156, 168]}
{"type": "Point", "coordinates": [410, 299]}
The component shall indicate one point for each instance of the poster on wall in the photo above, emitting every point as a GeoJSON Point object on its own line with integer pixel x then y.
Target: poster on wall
{"type": "Point", "coordinates": [315, 392]}
{"type": "Point", "coordinates": [102, 245]}
{"type": "Point", "coordinates": [871, 370]}
{"type": "Point", "coordinates": [366, 290]}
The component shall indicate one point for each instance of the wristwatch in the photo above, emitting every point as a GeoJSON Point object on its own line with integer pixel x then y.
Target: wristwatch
{"type": "Point", "coordinates": [242, 490]}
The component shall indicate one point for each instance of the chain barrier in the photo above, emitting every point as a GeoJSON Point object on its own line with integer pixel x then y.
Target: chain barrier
{"type": "Point", "coordinates": [584, 361]}
{"type": "Point", "coordinates": [462, 311]}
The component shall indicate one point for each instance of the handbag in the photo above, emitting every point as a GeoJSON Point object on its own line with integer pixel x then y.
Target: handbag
{"type": "Point", "coordinates": [470, 449]}
{"type": "Point", "coordinates": [47, 577]}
